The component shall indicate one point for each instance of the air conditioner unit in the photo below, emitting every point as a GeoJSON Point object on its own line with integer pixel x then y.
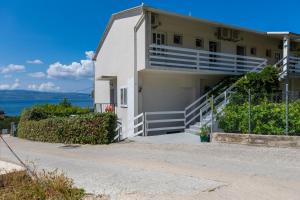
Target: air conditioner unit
{"type": "Point", "coordinates": [224, 33]}
{"type": "Point", "coordinates": [155, 20]}
{"type": "Point", "coordinates": [229, 34]}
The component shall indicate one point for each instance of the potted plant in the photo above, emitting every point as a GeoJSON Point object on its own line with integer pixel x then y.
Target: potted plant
{"type": "Point", "coordinates": [204, 134]}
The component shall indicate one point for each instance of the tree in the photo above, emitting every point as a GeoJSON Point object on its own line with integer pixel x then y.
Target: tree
{"type": "Point", "coordinates": [65, 103]}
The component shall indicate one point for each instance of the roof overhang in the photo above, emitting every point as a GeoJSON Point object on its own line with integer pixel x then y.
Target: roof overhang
{"type": "Point", "coordinates": [143, 8]}
{"type": "Point", "coordinates": [124, 13]}
{"type": "Point", "coordinates": [293, 36]}
{"type": "Point", "coordinates": [106, 78]}
{"type": "Point", "coordinates": [214, 23]}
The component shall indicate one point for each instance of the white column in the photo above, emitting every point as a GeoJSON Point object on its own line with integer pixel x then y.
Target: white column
{"type": "Point", "coordinates": [286, 52]}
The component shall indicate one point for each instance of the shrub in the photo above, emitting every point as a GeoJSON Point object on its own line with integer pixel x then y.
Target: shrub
{"type": "Point", "coordinates": [266, 81]}
{"type": "Point", "coordinates": [92, 128]}
{"type": "Point", "coordinates": [45, 111]}
{"type": "Point", "coordinates": [6, 122]}
{"type": "Point", "coordinates": [266, 118]}
{"type": "Point", "coordinates": [47, 185]}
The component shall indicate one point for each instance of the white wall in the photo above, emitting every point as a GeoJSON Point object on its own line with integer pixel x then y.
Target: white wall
{"type": "Point", "coordinates": [163, 91]}
{"type": "Point", "coordinates": [190, 30]}
{"type": "Point", "coordinates": [141, 45]}
{"type": "Point", "coordinates": [116, 58]}
{"type": "Point", "coordinates": [102, 93]}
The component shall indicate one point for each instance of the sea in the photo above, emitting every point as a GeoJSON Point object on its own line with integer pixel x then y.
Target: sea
{"type": "Point", "coordinates": [12, 103]}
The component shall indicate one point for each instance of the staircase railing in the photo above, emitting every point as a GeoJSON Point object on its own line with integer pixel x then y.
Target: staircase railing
{"type": "Point", "coordinates": [281, 65]}
{"type": "Point", "coordinates": [167, 121]}
{"type": "Point", "coordinates": [118, 131]}
{"type": "Point", "coordinates": [289, 64]}
{"type": "Point", "coordinates": [191, 112]}
{"type": "Point", "coordinates": [219, 102]}
{"type": "Point", "coordinates": [139, 125]}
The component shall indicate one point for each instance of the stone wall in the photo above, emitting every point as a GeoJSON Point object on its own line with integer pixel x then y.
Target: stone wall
{"type": "Point", "coordinates": [258, 140]}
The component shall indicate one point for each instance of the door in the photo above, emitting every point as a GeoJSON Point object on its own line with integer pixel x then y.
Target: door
{"type": "Point", "coordinates": [213, 47]}
{"type": "Point", "coordinates": [240, 51]}
{"type": "Point", "coordinates": [113, 91]}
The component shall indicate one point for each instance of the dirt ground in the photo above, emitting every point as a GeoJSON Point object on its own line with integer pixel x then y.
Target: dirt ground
{"type": "Point", "coordinates": [153, 168]}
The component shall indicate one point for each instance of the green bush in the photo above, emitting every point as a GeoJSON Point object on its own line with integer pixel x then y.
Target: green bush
{"type": "Point", "coordinates": [267, 112]}
{"type": "Point", "coordinates": [92, 128]}
{"type": "Point", "coordinates": [266, 81]}
{"type": "Point", "coordinates": [266, 118]}
{"type": "Point", "coordinates": [45, 111]}
{"type": "Point", "coordinates": [6, 122]}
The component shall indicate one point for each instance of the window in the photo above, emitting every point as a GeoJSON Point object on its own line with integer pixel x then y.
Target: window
{"type": "Point", "coordinates": [253, 51]}
{"type": "Point", "coordinates": [124, 97]}
{"type": "Point", "coordinates": [199, 43]}
{"type": "Point", "coordinates": [177, 39]}
{"type": "Point", "coordinates": [269, 53]}
{"type": "Point", "coordinates": [159, 38]}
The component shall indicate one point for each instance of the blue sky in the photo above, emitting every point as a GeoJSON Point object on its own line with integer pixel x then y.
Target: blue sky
{"type": "Point", "coordinates": [37, 38]}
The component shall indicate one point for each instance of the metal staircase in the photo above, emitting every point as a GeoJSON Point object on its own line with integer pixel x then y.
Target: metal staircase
{"type": "Point", "coordinates": [206, 116]}
{"type": "Point", "coordinates": [288, 66]}
{"type": "Point", "coordinates": [202, 114]}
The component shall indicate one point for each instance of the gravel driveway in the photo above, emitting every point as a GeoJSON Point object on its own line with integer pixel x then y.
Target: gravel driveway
{"type": "Point", "coordinates": [153, 168]}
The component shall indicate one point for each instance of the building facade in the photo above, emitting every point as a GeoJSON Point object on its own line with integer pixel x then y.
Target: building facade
{"type": "Point", "coordinates": [161, 63]}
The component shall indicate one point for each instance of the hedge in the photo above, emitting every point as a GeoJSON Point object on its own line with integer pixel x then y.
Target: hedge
{"type": "Point", "coordinates": [6, 122]}
{"type": "Point", "coordinates": [45, 111]}
{"type": "Point", "coordinates": [92, 128]}
{"type": "Point", "coordinates": [267, 118]}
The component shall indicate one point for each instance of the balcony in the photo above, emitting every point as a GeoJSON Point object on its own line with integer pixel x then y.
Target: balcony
{"type": "Point", "coordinates": [206, 62]}
{"type": "Point", "coordinates": [288, 66]}
{"type": "Point", "coordinates": [294, 64]}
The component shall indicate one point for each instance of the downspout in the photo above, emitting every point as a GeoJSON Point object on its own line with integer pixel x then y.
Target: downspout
{"type": "Point", "coordinates": [136, 27]}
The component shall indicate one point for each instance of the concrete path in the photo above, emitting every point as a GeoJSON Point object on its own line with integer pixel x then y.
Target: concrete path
{"type": "Point", "coordinates": [7, 167]}
{"type": "Point", "coordinates": [179, 138]}
{"type": "Point", "coordinates": [142, 169]}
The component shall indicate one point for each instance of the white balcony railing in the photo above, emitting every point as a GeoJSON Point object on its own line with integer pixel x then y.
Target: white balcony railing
{"type": "Point", "coordinates": [290, 64]}
{"type": "Point", "coordinates": [294, 64]}
{"type": "Point", "coordinates": [162, 56]}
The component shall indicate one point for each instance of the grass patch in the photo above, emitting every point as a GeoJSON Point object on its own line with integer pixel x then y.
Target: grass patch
{"type": "Point", "coordinates": [47, 185]}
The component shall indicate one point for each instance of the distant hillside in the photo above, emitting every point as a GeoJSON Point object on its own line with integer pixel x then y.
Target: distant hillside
{"type": "Point", "coordinates": [12, 102]}
{"type": "Point", "coordinates": [35, 95]}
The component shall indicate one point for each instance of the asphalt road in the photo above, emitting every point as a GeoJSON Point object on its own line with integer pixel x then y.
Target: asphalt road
{"type": "Point", "coordinates": [163, 167]}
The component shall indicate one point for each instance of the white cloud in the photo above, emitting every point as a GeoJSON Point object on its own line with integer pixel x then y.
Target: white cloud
{"type": "Point", "coordinates": [37, 74]}
{"type": "Point", "coordinates": [89, 54]}
{"type": "Point", "coordinates": [35, 62]}
{"type": "Point", "coordinates": [75, 70]}
{"type": "Point", "coordinates": [13, 86]}
{"type": "Point", "coordinates": [49, 86]}
{"type": "Point", "coordinates": [12, 68]}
